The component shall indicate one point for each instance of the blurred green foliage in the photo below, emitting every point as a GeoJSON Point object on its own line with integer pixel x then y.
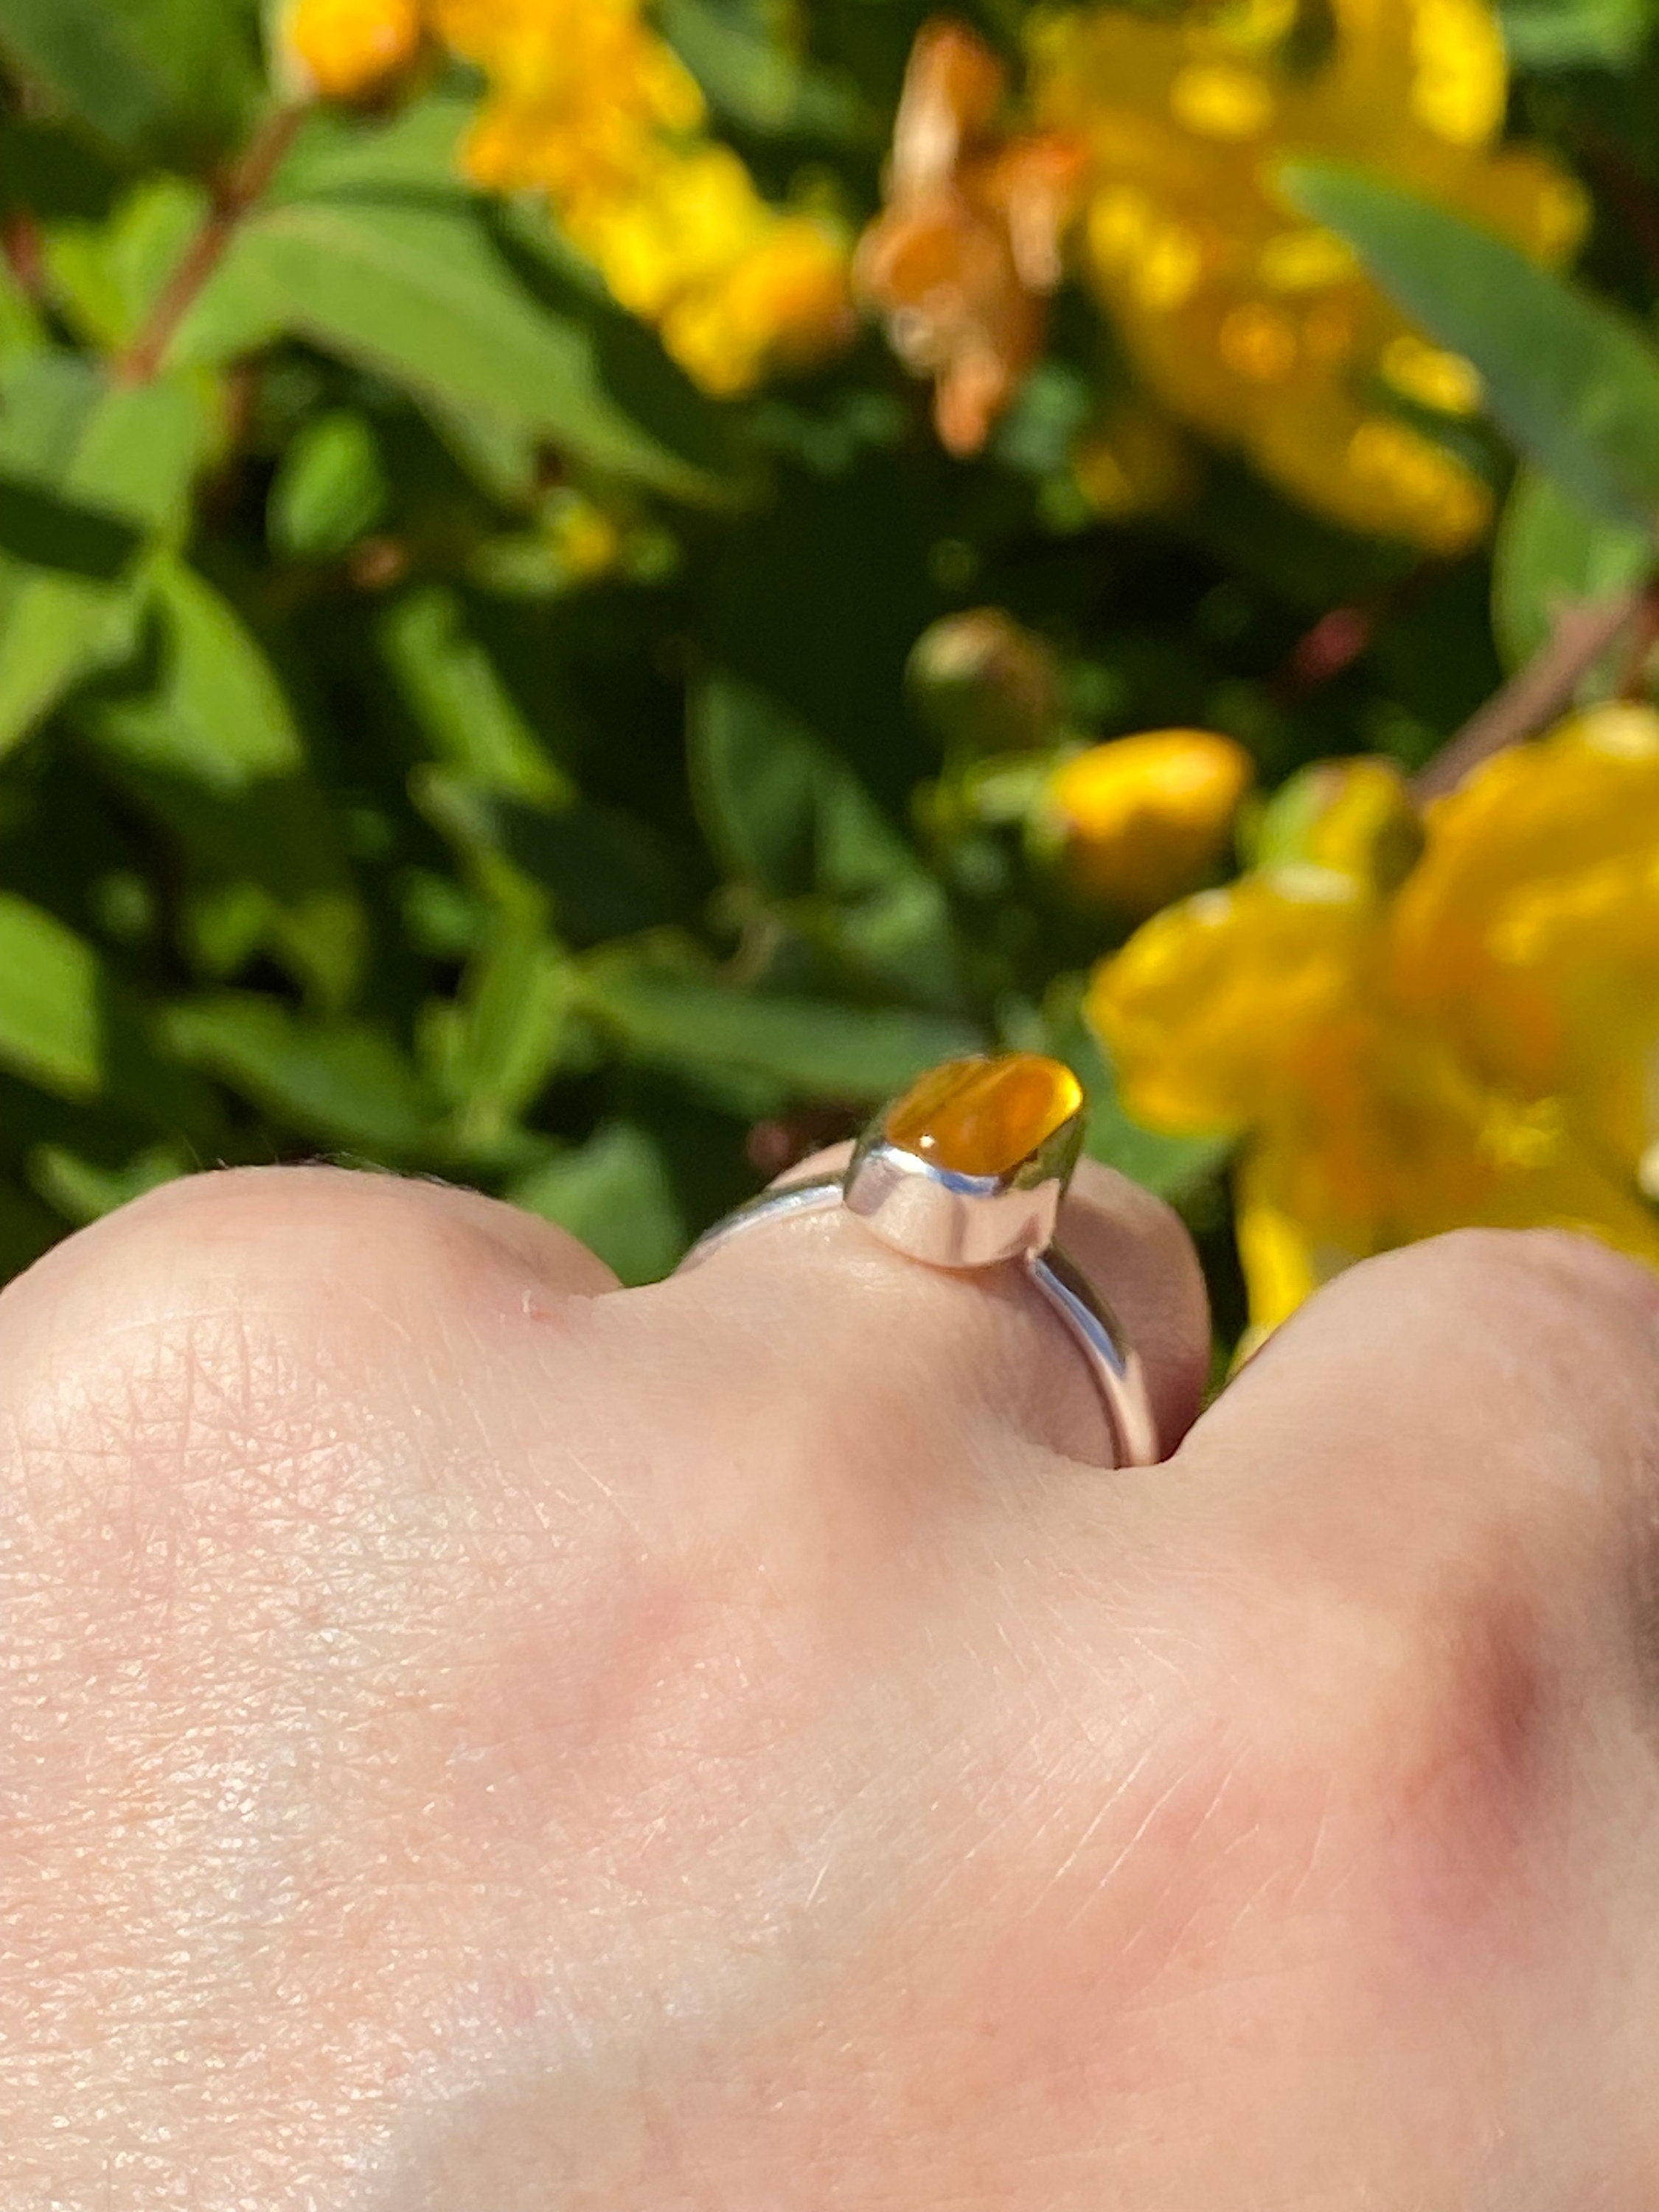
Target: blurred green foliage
{"type": "Point", "coordinates": [433, 733]}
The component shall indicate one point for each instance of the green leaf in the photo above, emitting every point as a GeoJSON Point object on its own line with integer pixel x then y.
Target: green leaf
{"type": "Point", "coordinates": [330, 488]}
{"type": "Point", "coordinates": [66, 1026]}
{"type": "Point", "coordinates": [205, 739]}
{"type": "Point", "coordinates": [1574, 384]}
{"type": "Point", "coordinates": [49, 170]}
{"type": "Point", "coordinates": [107, 276]}
{"type": "Point", "coordinates": [51, 994]}
{"type": "Point", "coordinates": [501, 1037]}
{"type": "Point", "coordinates": [47, 531]}
{"type": "Point", "coordinates": [739, 58]}
{"type": "Point", "coordinates": [21, 329]}
{"type": "Point", "coordinates": [420, 292]}
{"type": "Point", "coordinates": [616, 1195]}
{"type": "Point", "coordinates": [455, 693]}
{"type": "Point", "coordinates": [26, 1229]}
{"type": "Point", "coordinates": [84, 1190]}
{"type": "Point", "coordinates": [175, 80]}
{"type": "Point", "coordinates": [1552, 552]}
{"type": "Point", "coordinates": [334, 1081]}
{"type": "Point", "coordinates": [607, 873]}
{"type": "Point", "coordinates": [215, 714]}
{"type": "Point", "coordinates": [805, 1048]}
{"type": "Point", "coordinates": [1564, 35]}
{"type": "Point", "coordinates": [336, 153]}
{"type": "Point", "coordinates": [126, 455]}
{"type": "Point", "coordinates": [785, 814]}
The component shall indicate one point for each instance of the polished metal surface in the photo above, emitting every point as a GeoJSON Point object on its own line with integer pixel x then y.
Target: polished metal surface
{"type": "Point", "coordinates": [966, 1221]}
{"type": "Point", "coordinates": [946, 1219]}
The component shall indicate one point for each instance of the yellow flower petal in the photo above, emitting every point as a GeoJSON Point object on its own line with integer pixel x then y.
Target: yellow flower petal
{"type": "Point", "coordinates": [1266, 336]}
{"type": "Point", "coordinates": [1218, 100]}
{"type": "Point", "coordinates": [343, 49]}
{"type": "Point", "coordinates": [1488, 939]}
{"type": "Point", "coordinates": [1391, 1143]}
{"type": "Point", "coordinates": [1460, 81]}
{"type": "Point", "coordinates": [1443, 381]}
{"type": "Point", "coordinates": [1208, 1010]}
{"type": "Point", "coordinates": [1282, 1261]}
{"type": "Point", "coordinates": [1413, 487]}
{"type": "Point", "coordinates": [590, 104]}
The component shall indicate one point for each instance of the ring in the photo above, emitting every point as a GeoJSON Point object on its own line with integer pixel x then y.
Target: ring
{"type": "Point", "coordinates": [966, 1170]}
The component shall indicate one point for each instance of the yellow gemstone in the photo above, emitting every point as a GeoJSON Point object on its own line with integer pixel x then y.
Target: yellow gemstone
{"type": "Point", "coordinates": [982, 1117]}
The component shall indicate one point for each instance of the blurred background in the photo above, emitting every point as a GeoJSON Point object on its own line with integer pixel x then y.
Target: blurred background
{"type": "Point", "coordinates": [586, 589]}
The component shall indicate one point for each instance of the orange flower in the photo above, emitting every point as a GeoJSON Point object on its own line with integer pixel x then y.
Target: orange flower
{"type": "Point", "coordinates": [967, 246]}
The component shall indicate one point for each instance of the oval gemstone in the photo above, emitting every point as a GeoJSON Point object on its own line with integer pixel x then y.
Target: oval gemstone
{"type": "Point", "coordinates": [982, 1117]}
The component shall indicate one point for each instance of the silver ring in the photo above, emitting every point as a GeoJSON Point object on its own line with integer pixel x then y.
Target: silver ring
{"type": "Point", "coordinates": [1018, 1122]}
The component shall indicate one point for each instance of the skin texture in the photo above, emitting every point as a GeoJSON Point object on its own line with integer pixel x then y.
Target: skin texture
{"type": "Point", "coordinates": [469, 1737]}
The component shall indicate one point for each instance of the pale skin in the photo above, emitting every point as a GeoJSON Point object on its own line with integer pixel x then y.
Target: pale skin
{"type": "Point", "coordinates": [473, 1737]}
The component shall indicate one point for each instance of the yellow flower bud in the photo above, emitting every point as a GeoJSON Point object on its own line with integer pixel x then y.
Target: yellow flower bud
{"type": "Point", "coordinates": [587, 541]}
{"type": "Point", "coordinates": [1355, 818]}
{"type": "Point", "coordinates": [1144, 818]}
{"type": "Point", "coordinates": [344, 49]}
{"type": "Point", "coordinates": [984, 683]}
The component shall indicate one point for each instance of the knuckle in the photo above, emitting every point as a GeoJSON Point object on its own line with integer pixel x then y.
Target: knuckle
{"type": "Point", "coordinates": [1541, 1348]}
{"type": "Point", "coordinates": [1535, 1280]}
{"type": "Point", "coordinates": [213, 1341]}
{"type": "Point", "coordinates": [1409, 1742]}
{"type": "Point", "coordinates": [1584, 1267]}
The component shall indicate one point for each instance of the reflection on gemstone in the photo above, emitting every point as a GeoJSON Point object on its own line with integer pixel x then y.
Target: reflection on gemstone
{"type": "Point", "coordinates": [982, 1117]}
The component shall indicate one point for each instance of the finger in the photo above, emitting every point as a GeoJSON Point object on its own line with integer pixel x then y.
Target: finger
{"type": "Point", "coordinates": [981, 1348]}
{"type": "Point", "coordinates": [294, 1214]}
{"type": "Point", "coordinates": [1477, 1413]}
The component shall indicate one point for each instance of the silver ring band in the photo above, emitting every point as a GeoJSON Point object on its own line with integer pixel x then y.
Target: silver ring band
{"type": "Point", "coordinates": [965, 1221]}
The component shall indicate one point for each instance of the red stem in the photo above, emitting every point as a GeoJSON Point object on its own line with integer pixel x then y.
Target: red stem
{"type": "Point", "coordinates": [1535, 695]}
{"type": "Point", "coordinates": [236, 193]}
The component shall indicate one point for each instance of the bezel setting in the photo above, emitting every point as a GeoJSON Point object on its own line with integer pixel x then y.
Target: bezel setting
{"type": "Point", "coordinates": [948, 1219]}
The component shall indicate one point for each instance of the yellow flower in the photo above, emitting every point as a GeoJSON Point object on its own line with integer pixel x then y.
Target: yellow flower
{"type": "Point", "coordinates": [1530, 933]}
{"type": "Point", "coordinates": [1142, 819]}
{"type": "Point", "coordinates": [346, 49]}
{"type": "Point", "coordinates": [1250, 324]}
{"type": "Point", "coordinates": [589, 105]}
{"type": "Point", "coordinates": [1478, 1043]}
{"type": "Point", "coordinates": [782, 301]}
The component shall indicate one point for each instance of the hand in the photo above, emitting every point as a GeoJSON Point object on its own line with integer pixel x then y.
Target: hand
{"type": "Point", "coordinates": [476, 1738]}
